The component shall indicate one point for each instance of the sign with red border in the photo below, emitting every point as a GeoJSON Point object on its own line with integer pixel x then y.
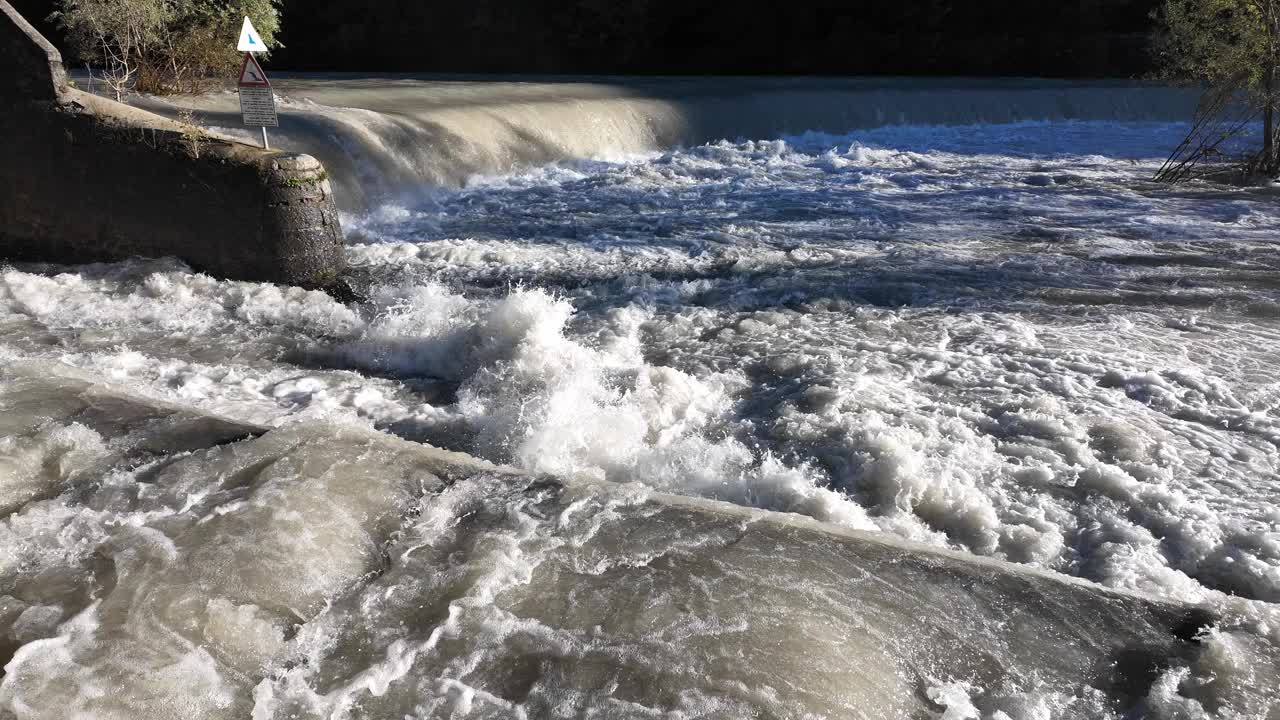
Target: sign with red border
{"type": "Point", "coordinates": [251, 74]}
{"type": "Point", "coordinates": [257, 101]}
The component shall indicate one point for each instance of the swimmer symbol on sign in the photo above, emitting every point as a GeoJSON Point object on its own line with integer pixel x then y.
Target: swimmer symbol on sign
{"type": "Point", "coordinates": [250, 40]}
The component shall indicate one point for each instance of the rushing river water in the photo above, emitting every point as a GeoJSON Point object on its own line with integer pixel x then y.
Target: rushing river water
{"type": "Point", "coordinates": [952, 314]}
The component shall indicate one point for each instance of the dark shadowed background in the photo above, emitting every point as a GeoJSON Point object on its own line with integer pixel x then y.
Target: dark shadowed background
{"type": "Point", "coordinates": [1052, 38]}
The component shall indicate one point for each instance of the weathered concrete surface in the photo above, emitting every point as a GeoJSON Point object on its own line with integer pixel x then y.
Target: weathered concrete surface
{"type": "Point", "coordinates": [87, 179]}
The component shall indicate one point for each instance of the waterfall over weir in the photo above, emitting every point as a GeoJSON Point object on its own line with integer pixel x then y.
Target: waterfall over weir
{"type": "Point", "coordinates": [386, 134]}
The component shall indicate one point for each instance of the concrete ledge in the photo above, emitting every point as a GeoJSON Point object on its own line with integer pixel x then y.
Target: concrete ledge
{"type": "Point", "coordinates": [88, 179]}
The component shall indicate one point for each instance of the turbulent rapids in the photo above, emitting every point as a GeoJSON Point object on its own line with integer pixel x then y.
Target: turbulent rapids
{"type": "Point", "coordinates": [897, 399]}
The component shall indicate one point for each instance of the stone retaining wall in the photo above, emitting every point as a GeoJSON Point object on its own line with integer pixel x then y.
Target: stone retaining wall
{"type": "Point", "coordinates": [86, 179]}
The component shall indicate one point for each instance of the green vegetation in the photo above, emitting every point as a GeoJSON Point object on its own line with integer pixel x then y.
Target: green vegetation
{"type": "Point", "coordinates": [162, 46]}
{"type": "Point", "coordinates": [193, 134]}
{"type": "Point", "coordinates": [1232, 47]}
{"type": "Point", "coordinates": [297, 182]}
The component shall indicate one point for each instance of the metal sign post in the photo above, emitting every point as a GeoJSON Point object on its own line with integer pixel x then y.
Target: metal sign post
{"type": "Point", "coordinates": [257, 101]}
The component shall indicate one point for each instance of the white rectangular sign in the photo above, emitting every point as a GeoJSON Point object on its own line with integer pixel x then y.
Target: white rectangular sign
{"type": "Point", "coordinates": [258, 106]}
{"type": "Point", "coordinates": [257, 102]}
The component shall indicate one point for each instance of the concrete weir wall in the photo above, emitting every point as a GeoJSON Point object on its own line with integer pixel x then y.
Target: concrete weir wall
{"type": "Point", "coordinates": [86, 179]}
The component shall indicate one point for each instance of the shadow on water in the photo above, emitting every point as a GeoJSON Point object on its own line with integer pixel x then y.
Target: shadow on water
{"type": "Point", "coordinates": [930, 279]}
{"type": "Point", "coordinates": [858, 262]}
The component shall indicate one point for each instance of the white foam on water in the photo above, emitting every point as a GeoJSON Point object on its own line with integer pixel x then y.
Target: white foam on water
{"type": "Point", "coordinates": [1020, 427]}
{"type": "Point", "coordinates": [999, 339]}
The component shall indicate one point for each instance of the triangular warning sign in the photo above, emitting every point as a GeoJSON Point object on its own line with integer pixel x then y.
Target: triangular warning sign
{"type": "Point", "coordinates": [250, 40]}
{"type": "Point", "coordinates": [251, 74]}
